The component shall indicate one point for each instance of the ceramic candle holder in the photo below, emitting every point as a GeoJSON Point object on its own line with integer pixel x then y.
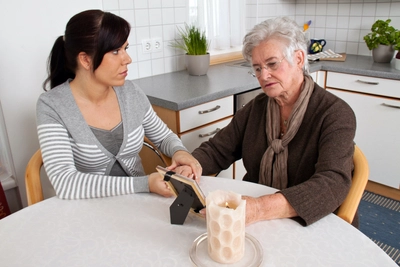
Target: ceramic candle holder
{"type": "Point", "coordinates": [226, 220]}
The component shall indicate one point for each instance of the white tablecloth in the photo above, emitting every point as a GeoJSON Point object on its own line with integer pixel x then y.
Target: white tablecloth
{"type": "Point", "coordinates": [135, 230]}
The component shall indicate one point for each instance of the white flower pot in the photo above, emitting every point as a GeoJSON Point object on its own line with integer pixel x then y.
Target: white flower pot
{"type": "Point", "coordinates": [397, 64]}
{"type": "Point", "coordinates": [197, 65]}
{"type": "Point", "coordinates": [383, 53]}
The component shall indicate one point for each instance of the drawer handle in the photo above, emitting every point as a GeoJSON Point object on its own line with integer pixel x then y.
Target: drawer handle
{"type": "Point", "coordinates": [366, 82]}
{"type": "Point", "coordinates": [390, 106]}
{"type": "Point", "coordinates": [210, 133]}
{"type": "Point", "coordinates": [209, 110]}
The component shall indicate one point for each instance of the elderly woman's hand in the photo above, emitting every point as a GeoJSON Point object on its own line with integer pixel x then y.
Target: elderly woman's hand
{"type": "Point", "coordinates": [185, 164]}
{"type": "Point", "coordinates": [252, 209]}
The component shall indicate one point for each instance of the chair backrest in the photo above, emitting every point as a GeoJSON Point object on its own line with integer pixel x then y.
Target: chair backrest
{"type": "Point", "coordinates": [151, 157]}
{"type": "Point", "coordinates": [33, 184]}
{"type": "Point", "coordinates": [349, 206]}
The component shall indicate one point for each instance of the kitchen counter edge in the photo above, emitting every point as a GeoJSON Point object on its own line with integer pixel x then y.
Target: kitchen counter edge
{"type": "Point", "coordinates": [178, 90]}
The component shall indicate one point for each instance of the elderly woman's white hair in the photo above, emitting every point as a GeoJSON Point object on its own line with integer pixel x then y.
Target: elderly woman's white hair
{"type": "Point", "coordinates": [281, 28]}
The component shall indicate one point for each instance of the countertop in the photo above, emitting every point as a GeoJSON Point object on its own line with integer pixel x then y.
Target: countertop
{"type": "Point", "coordinates": [179, 90]}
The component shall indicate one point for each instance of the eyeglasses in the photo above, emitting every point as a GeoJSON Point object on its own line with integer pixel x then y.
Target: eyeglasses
{"type": "Point", "coordinates": [269, 66]}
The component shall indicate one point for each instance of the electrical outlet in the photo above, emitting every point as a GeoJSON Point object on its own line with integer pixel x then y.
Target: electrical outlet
{"type": "Point", "coordinates": [157, 44]}
{"type": "Point", "coordinates": [147, 45]}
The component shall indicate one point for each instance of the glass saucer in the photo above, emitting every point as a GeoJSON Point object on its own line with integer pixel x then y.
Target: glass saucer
{"type": "Point", "coordinates": [253, 253]}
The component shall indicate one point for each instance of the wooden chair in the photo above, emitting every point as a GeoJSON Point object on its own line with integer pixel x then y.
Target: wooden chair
{"type": "Point", "coordinates": [349, 206]}
{"type": "Point", "coordinates": [152, 156]}
{"type": "Point", "coordinates": [33, 185]}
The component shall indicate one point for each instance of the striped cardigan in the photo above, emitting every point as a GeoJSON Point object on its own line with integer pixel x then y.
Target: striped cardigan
{"type": "Point", "coordinates": [76, 163]}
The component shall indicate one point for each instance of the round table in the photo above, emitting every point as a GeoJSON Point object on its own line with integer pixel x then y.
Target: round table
{"type": "Point", "coordinates": [135, 230]}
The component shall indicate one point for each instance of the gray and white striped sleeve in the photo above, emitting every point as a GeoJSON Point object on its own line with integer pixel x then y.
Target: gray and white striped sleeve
{"type": "Point", "coordinates": [68, 182]}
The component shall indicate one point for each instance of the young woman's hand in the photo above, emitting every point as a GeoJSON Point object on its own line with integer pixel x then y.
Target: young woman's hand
{"type": "Point", "coordinates": [158, 185]}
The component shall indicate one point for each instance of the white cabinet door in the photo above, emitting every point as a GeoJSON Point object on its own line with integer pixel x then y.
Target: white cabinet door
{"type": "Point", "coordinates": [378, 134]}
{"type": "Point", "coordinates": [194, 138]}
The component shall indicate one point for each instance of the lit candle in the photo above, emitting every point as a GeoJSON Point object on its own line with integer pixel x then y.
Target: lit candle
{"type": "Point", "coordinates": [225, 226]}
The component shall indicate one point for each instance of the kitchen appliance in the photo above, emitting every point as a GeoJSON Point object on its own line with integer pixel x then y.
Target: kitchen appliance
{"type": "Point", "coordinates": [243, 98]}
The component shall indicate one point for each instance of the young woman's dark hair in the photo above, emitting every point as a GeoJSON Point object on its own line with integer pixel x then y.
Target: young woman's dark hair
{"type": "Point", "coordinates": [94, 32]}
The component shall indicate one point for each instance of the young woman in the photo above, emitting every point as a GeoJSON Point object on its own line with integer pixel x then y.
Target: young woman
{"type": "Point", "coordinates": [92, 122]}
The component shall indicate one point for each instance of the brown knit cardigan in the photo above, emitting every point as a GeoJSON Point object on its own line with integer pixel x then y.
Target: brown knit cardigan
{"type": "Point", "coordinates": [320, 160]}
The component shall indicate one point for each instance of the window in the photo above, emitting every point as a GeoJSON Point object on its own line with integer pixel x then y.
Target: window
{"type": "Point", "coordinates": [223, 21]}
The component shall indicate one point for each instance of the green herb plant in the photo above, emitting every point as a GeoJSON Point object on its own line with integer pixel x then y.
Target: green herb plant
{"type": "Point", "coordinates": [383, 33]}
{"type": "Point", "coordinates": [193, 41]}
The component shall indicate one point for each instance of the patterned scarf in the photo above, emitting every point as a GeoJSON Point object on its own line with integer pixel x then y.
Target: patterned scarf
{"type": "Point", "coordinates": [273, 166]}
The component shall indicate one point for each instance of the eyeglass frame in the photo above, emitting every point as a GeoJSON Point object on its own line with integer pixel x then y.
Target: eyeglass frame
{"type": "Point", "coordinates": [268, 68]}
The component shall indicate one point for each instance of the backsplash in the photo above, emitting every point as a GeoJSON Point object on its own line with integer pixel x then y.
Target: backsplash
{"type": "Point", "coordinates": [342, 23]}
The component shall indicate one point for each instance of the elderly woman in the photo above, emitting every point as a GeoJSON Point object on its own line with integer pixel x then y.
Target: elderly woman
{"type": "Point", "coordinates": [297, 137]}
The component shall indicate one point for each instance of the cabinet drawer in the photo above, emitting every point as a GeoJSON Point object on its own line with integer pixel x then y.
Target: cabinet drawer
{"type": "Point", "coordinates": [193, 139]}
{"type": "Point", "coordinates": [205, 113]}
{"type": "Point", "coordinates": [364, 84]}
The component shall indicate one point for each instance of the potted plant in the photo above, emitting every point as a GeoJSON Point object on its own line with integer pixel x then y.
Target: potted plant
{"type": "Point", "coordinates": [397, 57]}
{"type": "Point", "coordinates": [381, 40]}
{"type": "Point", "coordinates": [194, 42]}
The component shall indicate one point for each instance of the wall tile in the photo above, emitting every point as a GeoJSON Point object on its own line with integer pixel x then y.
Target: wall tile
{"type": "Point", "coordinates": [356, 9]}
{"type": "Point", "coordinates": [340, 47]}
{"type": "Point", "coordinates": [332, 10]}
{"type": "Point", "coordinates": [125, 4]}
{"type": "Point", "coordinates": [352, 48]}
{"type": "Point", "coordinates": [344, 10]}
{"type": "Point", "coordinates": [321, 9]}
{"type": "Point", "coordinates": [141, 17]}
{"type": "Point", "coordinates": [331, 21]}
{"type": "Point", "coordinates": [169, 32]}
{"type": "Point", "coordinates": [355, 22]}
{"type": "Point", "coordinates": [139, 4]}
{"type": "Point", "coordinates": [144, 68]}
{"type": "Point", "coordinates": [180, 15]}
{"type": "Point", "coordinates": [343, 23]}
{"type": "Point", "coordinates": [383, 9]}
{"type": "Point", "coordinates": [154, 3]}
{"type": "Point", "coordinates": [369, 9]}
{"type": "Point", "coordinates": [167, 3]}
{"type": "Point", "coordinates": [133, 71]}
{"type": "Point", "coordinates": [353, 35]}
{"type": "Point", "coordinates": [341, 35]}
{"type": "Point", "coordinates": [155, 16]}
{"type": "Point", "coordinates": [128, 15]}
{"type": "Point", "coordinates": [142, 33]}
{"type": "Point", "coordinates": [110, 5]}
{"type": "Point", "coordinates": [168, 16]}
{"type": "Point", "coordinates": [157, 66]}
{"type": "Point", "coordinates": [170, 64]}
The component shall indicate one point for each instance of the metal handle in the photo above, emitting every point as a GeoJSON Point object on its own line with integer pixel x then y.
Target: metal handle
{"type": "Point", "coordinates": [210, 133]}
{"type": "Point", "coordinates": [390, 106]}
{"type": "Point", "coordinates": [366, 82]}
{"type": "Point", "coordinates": [209, 110]}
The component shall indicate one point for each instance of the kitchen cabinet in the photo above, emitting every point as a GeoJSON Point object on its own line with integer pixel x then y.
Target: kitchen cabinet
{"type": "Point", "coordinates": [7, 177]}
{"type": "Point", "coordinates": [7, 171]}
{"type": "Point", "coordinates": [197, 124]}
{"type": "Point", "coordinates": [376, 103]}
{"type": "Point", "coordinates": [319, 77]}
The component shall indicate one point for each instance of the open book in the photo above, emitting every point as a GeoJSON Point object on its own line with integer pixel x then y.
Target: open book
{"type": "Point", "coordinates": [180, 184]}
